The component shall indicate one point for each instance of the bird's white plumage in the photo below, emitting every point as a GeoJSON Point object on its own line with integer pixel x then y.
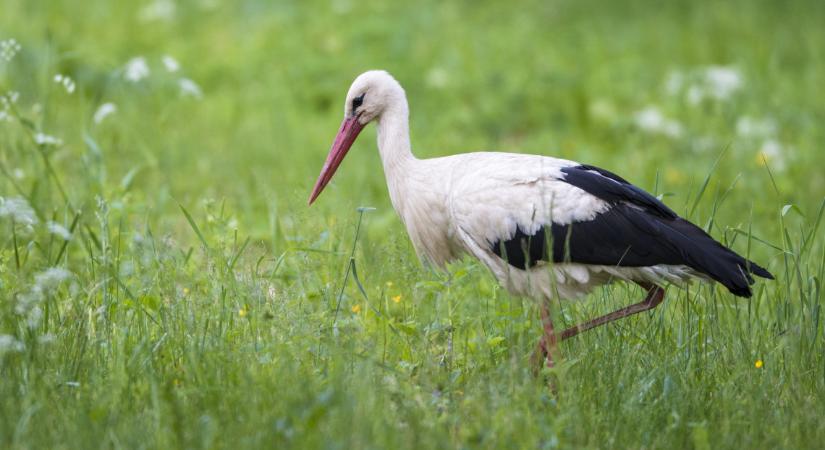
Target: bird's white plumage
{"type": "Point", "coordinates": [494, 192]}
{"type": "Point", "coordinates": [502, 192]}
{"type": "Point", "coordinates": [464, 203]}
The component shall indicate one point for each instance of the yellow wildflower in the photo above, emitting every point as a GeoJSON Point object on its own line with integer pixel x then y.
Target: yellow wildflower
{"type": "Point", "coordinates": [185, 291]}
{"type": "Point", "coordinates": [356, 309]}
{"type": "Point", "coordinates": [397, 299]}
{"type": "Point", "coordinates": [242, 312]}
{"type": "Point", "coordinates": [758, 364]}
{"type": "Point", "coordinates": [389, 284]}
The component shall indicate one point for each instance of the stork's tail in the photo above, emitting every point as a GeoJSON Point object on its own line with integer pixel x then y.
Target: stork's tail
{"type": "Point", "coordinates": [717, 261]}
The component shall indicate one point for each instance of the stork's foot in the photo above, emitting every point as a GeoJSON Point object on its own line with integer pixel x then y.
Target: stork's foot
{"type": "Point", "coordinates": [655, 295]}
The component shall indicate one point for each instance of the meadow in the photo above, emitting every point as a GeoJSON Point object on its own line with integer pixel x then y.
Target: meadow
{"type": "Point", "coordinates": [164, 285]}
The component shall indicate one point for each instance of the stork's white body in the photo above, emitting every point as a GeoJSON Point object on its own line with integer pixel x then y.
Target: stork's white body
{"type": "Point", "coordinates": [492, 205]}
{"type": "Point", "coordinates": [464, 203]}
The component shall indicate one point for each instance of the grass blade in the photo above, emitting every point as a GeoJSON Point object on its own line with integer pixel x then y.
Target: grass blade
{"type": "Point", "coordinates": [705, 184]}
{"type": "Point", "coordinates": [66, 242]}
{"type": "Point", "coordinates": [238, 254]}
{"type": "Point", "coordinates": [194, 226]}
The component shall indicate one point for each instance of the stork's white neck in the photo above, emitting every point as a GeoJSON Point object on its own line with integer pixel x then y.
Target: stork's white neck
{"type": "Point", "coordinates": [394, 137]}
{"type": "Point", "coordinates": [415, 185]}
{"type": "Point", "coordinates": [394, 148]}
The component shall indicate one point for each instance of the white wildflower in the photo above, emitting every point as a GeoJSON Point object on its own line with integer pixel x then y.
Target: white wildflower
{"type": "Point", "coordinates": [170, 63]}
{"type": "Point", "coordinates": [47, 338]}
{"type": "Point", "coordinates": [674, 83]}
{"type": "Point", "coordinates": [8, 49]}
{"type": "Point", "coordinates": [6, 101]}
{"type": "Point", "coordinates": [749, 127]}
{"type": "Point", "coordinates": [136, 69]}
{"type": "Point", "coordinates": [711, 82]}
{"type": "Point", "coordinates": [722, 81]}
{"type": "Point", "coordinates": [9, 98]}
{"type": "Point", "coordinates": [651, 120]}
{"type": "Point", "coordinates": [695, 94]}
{"type": "Point", "coordinates": [28, 300]}
{"type": "Point", "coordinates": [34, 317]}
{"type": "Point", "coordinates": [9, 344]}
{"type": "Point", "coordinates": [104, 111]}
{"type": "Point", "coordinates": [189, 88]}
{"type": "Point", "coordinates": [51, 278]}
{"type": "Point", "coordinates": [4, 109]}
{"type": "Point", "coordinates": [162, 10]}
{"type": "Point", "coordinates": [66, 81]}
{"type": "Point", "coordinates": [44, 283]}
{"type": "Point", "coordinates": [673, 129]}
{"type": "Point", "coordinates": [45, 139]}
{"type": "Point", "coordinates": [18, 174]}
{"type": "Point", "coordinates": [58, 230]}
{"type": "Point", "coordinates": [773, 154]}
{"type": "Point", "coordinates": [18, 209]}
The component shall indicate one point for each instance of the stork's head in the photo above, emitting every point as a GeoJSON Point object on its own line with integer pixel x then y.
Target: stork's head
{"type": "Point", "coordinates": [370, 95]}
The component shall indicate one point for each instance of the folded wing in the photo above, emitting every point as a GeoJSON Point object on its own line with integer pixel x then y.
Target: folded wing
{"type": "Point", "coordinates": [545, 209]}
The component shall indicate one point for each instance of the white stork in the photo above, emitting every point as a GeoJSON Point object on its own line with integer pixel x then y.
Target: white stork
{"type": "Point", "coordinates": [546, 227]}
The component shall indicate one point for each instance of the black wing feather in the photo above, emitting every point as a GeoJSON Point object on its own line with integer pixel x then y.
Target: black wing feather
{"type": "Point", "coordinates": [614, 189]}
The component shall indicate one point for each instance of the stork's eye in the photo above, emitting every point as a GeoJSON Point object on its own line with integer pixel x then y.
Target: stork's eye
{"type": "Point", "coordinates": [357, 101]}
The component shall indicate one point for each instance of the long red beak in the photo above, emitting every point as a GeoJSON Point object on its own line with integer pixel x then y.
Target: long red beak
{"type": "Point", "coordinates": [350, 128]}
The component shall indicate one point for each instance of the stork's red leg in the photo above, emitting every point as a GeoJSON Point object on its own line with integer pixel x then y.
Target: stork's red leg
{"type": "Point", "coordinates": [655, 295]}
{"type": "Point", "coordinates": [547, 344]}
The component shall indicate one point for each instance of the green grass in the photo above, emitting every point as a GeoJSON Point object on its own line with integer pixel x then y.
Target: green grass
{"type": "Point", "coordinates": [206, 305]}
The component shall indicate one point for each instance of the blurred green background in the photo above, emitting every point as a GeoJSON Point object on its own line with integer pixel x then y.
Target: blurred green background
{"type": "Point", "coordinates": [205, 304]}
{"type": "Point", "coordinates": [557, 78]}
